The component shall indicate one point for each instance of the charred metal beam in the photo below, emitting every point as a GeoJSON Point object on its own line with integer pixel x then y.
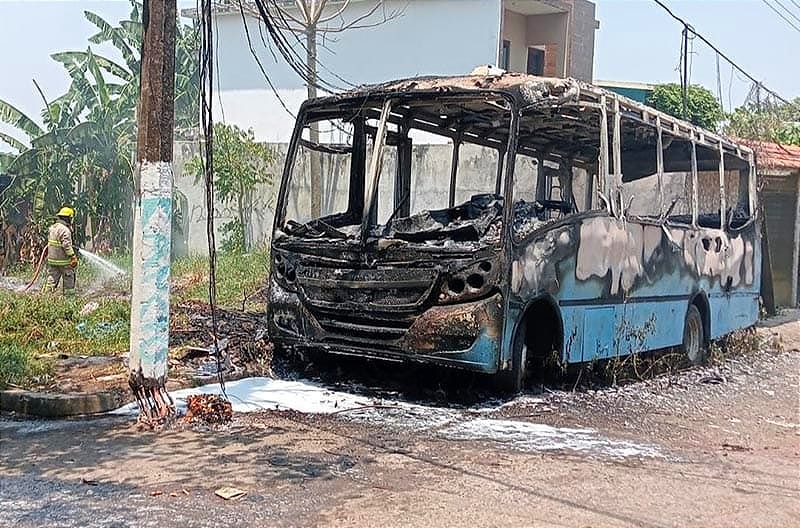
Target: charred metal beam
{"type": "Point", "coordinates": [454, 169]}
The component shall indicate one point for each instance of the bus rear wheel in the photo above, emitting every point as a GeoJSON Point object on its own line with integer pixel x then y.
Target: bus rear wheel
{"type": "Point", "coordinates": [693, 336]}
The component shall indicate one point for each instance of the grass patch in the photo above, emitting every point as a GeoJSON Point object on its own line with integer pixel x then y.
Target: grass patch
{"type": "Point", "coordinates": [20, 365]}
{"type": "Point", "coordinates": [35, 329]}
{"type": "Point", "coordinates": [240, 277]}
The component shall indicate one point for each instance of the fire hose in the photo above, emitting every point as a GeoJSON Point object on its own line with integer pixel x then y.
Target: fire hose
{"type": "Point", "coordinates": [37, 270]}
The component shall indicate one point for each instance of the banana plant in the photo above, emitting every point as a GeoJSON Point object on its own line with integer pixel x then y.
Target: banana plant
{"type": "Point", "coordinates": [82, 152]}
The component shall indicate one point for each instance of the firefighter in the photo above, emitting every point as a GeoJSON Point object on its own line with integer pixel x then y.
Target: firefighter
{"type": "Point", "coordinates": [61, 257]}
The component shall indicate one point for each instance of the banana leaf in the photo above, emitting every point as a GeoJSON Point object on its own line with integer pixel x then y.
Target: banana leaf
{"type": "Point", "coordinates": [75, 57]}
{"type": "Point", "coordinates": [14, 117]}
{"type": "Point", "coordinates": [12, 142]}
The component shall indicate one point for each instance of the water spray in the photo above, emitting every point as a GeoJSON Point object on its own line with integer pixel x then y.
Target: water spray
{"type": "Point", "coordinates": [102, 263]}
{"type": "Point", "coordinates": [97, 260]}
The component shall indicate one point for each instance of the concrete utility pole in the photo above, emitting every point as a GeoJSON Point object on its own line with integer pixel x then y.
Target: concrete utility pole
{"type": "Point", "coordinates": [152, 224]}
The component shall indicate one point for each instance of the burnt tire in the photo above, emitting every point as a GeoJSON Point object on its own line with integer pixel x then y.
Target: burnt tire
{"type": "Point", "coordinates": [513, 380]}
{"type": "Point", "coordinates": [693, 345]}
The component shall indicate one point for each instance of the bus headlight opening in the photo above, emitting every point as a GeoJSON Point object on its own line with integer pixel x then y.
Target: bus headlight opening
{"type": "Point", "coordinates": [472, 282]}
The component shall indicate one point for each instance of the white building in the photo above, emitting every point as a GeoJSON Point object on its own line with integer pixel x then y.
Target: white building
{"type": "Point", "coordinates": [429, 37]}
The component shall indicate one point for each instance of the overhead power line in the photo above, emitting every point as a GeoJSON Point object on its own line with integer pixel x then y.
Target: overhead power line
{"type": "Point", "coordinates": [691, 29]}
{"type": "Point", "coordinates": [777, 12]}
{"type": "Point", "coordinates": [789, 11]}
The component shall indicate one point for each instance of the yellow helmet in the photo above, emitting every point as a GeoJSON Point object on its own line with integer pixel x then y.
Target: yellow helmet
{"type": "Point", "coordinates": [68, 212]}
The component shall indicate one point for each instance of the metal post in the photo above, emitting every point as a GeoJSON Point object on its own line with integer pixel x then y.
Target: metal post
{"type": "Point", "coordinates": [617, 188]}
{"type": "Point", "coordinates": [454, 169]}
{"type": "Point", "coordinates": [498, 184]}
{"type": "Point", "coordinates": [375, 167]}
{"type": "Point", "coordinates": [660, 165]}
{"type": "Point", "coordinates": [542, 183]}
{"type": "Point", "coordinates": [796, 252]}
{"type": "Point", "coordinates": [752, 187]}
{"type": "Point", "coordinates": [723, 199]}
{"type": "Point", "coordinates": [603, 180]}
{"type": "Point", "coordinates": [695, 200]}
{"type": "Point", "coordinates": [149, 333]}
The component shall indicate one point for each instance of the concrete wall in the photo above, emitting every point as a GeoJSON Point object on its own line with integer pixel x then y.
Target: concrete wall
{"type": "Point", "coordinates": [515, 30]}
{"type": "Point", "coordinates": [582, 27]}
{"type": "Point", "coordinates": [430, 37]}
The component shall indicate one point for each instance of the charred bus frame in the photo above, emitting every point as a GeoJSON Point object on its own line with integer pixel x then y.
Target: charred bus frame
{"type": "Point", "coordinates": [587, 283]}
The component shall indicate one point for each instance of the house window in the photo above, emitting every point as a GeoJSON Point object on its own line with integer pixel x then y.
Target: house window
{"type": "Point", "coordinates": [505, 55]}
{"type": "Point", "coordinates": [535, 61]}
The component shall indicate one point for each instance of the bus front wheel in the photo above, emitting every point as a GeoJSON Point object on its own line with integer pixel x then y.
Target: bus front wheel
{"type": "Point", "coordinates": [513, 380]}
{"type": "Point", "coordinates": [693, 336]}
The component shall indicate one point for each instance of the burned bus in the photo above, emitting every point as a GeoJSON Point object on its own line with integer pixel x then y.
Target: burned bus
{"type": "Point", "coordinates": [485, 221]}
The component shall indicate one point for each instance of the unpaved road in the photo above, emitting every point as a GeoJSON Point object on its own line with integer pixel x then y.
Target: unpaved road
{"type": "Point", "coordinates": [717, 447]}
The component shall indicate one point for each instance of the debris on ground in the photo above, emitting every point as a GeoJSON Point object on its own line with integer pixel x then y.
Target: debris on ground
{"type": "Point", "coordinates": [243, 348]}
{"type": "Point", "coordinates": [89, 308]}
{"type": "Point", "coordinates": [229, 493]}
{"type": "Point", "coordinates": [208, 408]}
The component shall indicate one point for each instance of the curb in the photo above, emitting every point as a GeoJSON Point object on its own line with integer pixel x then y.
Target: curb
{"type": "Point", "coordinates": [50, 405]}
{"type": "Point", "coordinates": [55, 405]}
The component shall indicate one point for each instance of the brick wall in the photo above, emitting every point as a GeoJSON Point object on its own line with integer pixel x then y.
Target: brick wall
{"type": "Point", "coordinates": [551, 60]}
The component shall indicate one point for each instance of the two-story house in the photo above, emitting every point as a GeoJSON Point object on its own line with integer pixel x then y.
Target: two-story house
{"type": "Point", "coordinates": [542, 37]}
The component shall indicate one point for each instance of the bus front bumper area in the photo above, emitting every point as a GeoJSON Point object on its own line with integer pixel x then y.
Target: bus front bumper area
{"type": "Point", "coordinates": [465, 335]}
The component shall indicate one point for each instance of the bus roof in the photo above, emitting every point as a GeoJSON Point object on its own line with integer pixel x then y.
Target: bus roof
{"type": "Point", "coordinates": [534, 91]}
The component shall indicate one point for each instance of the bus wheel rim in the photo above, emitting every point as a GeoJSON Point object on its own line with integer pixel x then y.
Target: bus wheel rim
{"type": "Point", "coordinates": [693, 340]}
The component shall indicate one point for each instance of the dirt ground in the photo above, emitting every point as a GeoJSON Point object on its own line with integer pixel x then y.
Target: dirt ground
{"type": "Point", "coordinates": [710, 447]}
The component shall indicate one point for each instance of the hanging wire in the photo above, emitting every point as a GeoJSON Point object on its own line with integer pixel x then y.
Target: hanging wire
{"type": "Point", "coordinates": [783, 17]}
{"type": "Point", "coordinates": [719, 84]}
{"type": "Point", "coordinates": [207, 124]}
{"type": "Point", "coordinates": [685, 72]}
{"type": "Point", "coordinates": [789, 11]}
{"type": "Point", "coordinates": [286, 49]}
{"type": "Point", "coordinates": [284, 23]}
{"type": "Point", "coordinates": [258, 59]}
{"type": "Point", "coordinates": [688, 27]}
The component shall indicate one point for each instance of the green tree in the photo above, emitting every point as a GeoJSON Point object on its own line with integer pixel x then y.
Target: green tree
{"type": "Point", "coordinates": [768, 121]}
{"type": "Point", "coordinates": [82, 154]}
{"type": "Point", "coordinates": [702, 108]}
{"type": "Point", "coordinates": [240, 166]}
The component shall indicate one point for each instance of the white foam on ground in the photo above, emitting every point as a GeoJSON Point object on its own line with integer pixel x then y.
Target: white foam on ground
{"type": "Point", "coordinates": [259, 394]}
{"type": "Point", "coordinates": [529, 436]}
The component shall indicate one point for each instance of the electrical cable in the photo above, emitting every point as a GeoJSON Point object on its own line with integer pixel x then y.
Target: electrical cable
{"type": "Point", "coordinates": [207, 123]}
{"type": "Point", "coordinates": [720, 53]}
{"type": "Point", "coordinates": [323, 30]}
{"type": "Point", "coordinates": [286, 50]}
{"type": "Point", "coordinates": [719, 84]}
{"type": "Point", "coordinates": [783, 17]}
{"type": "Point", "coordinates": [216, 65]}
{"type": "Point", "coordinates": [258, 61]}
{"type": "Point", "coordinates": [685, 73]}
{"type": "Point", "coordinates": [789, 11]}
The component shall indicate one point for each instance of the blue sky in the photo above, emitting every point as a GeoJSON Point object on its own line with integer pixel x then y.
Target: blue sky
{"type": "Point", "coordinates": [637, 41]}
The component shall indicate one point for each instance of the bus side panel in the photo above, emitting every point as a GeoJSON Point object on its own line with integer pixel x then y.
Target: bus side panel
{"type": "Point", "coordinates": [624, 287]}
{"type": "Point", "coordinates": [730, 312]}
{"type": "Point", "coordinates": [600, 332]}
